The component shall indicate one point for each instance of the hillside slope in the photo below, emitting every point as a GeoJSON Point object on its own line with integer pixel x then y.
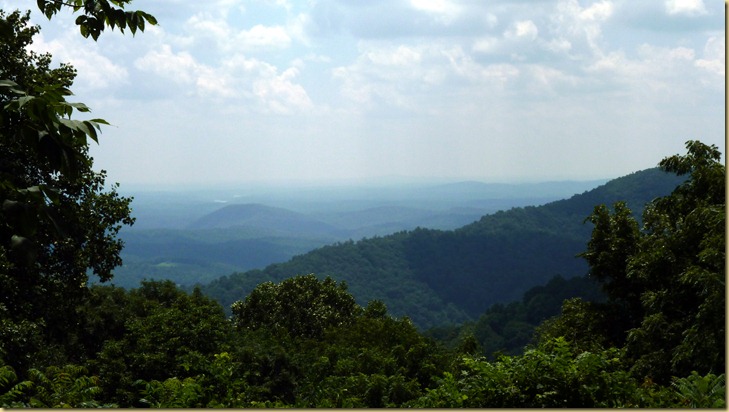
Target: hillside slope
{"type": "Point", "coordinates": [437, 277]}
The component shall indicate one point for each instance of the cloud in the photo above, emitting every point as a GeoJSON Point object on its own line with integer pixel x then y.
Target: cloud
{"type": "Point", "coordinates": [443, 10]}
{"type": "Point", "coordinates": [575, 24]}
{"type": "Point", "coordinates": [218, 33]}
{"type": "Point", "coordinates": [280, 94]}
{"type": "Point", "coordinates": [713, 60]}
{"type": "Point", "coordinates": [523, 29]}
{"type": "Point", "coordinates": [96, 72]}
{"type": "Point", "coordinates": [237, 78]}
{"type": "Point", "coordinates": [685, 7]}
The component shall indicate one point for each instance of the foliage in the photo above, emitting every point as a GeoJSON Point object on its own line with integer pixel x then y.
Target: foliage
{"type": "Point", "coordinates": [666, 282]}
{"type": "Point", "coordinates": [98, 14]}
{"type": "Point", "coordinates": [56, 387]}
{"type": "Point", "coordinates": [163, 332]}
{"type": "Point", "coordinates": [171, 393]}
{"type": "Point", "coordinates": [551, 376]}
{"type": "Point", "coordinates": [301, 306]}
{"type": "Point", "coordinates": [11, 392]}
{"type": "Point", "coordinates": [58, 221]}
{"type": "Point", "coordinates": [507, 329]}
{"type": "Point", "coordinates": [696, 391]}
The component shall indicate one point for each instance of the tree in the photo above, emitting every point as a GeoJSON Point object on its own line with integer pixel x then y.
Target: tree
{"type": "Point", "coordinates": [666, 282]}
{"type": "Point", "coordinates": [302, 306]}
{"type": "Point", "coordinates": [57, 220]}
{"type": "Point", "coordinates": [164, 333]}
{"type": "Point", "coordinates": [681, 263]}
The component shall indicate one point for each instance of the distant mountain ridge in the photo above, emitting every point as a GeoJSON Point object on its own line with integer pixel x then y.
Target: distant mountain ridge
{"type": "Point", "coordinates": [274, 219]}
{"type": "Point", "coordinates": [437, 277]}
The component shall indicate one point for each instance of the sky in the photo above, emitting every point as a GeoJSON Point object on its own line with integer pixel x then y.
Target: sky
{"type": "Point", "coordinates": [229, 91]}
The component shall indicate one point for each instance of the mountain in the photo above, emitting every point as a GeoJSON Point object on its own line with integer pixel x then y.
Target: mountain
{"type": "Point", "coordinates": [273, 220]}
{"type": "Point", "coordinates": [447, 276]}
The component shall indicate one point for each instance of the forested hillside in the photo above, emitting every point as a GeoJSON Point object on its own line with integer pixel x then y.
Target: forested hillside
{"type": "Point", "coordinates": [196, 236]}
{"type": "Point", "coordinates": [441, 277]}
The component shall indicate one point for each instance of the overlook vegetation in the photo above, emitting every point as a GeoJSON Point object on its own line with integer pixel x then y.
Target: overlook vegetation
{"type": "Point", "coordinates": [645, 328]}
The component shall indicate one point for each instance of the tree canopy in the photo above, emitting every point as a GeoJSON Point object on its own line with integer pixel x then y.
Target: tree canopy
{"type": "Point", "coordinates": [666, 281]}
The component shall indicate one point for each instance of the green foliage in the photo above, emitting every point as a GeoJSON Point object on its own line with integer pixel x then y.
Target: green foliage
{"type": "Point", "coordinates": [149, 333]}
{"type": "Point", "coordinates": [301, 306]}
{"type": "Point", "coordinates": [63, 387]}
{"type": "Point", "coordinates": [551, 376]}
{"type": "Point", "coordinates": [583, 324]}
{"type": "Point", "coordinates": [171, 393]}
{"type": "Point", "coordinates": [682, 263]}
{"type": "Point", "coordinates": [696, 391]}
{"type": "Point", "coordinates": [666, 282]}
{"type": "Point", "coordinates": [507, 329]}
{"type": "Point", "coordinates": [58, 221]}
{"type": "Point", "coordinates": [98, 14]}
{"type": "Point", "coordinates": [11, 393]}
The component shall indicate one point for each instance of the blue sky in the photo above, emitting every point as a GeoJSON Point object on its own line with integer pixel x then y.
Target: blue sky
{"type": "Point", "coordinates": [229, 91]}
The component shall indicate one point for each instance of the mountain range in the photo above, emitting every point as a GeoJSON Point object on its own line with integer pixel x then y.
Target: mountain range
{"type": "Point", "coordinates": [199, 235]}
{"type": "Point", "coordinates": [439, 277]}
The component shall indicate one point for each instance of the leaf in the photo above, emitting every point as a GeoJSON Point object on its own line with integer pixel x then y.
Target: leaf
{"type": "Point", "coordinates": [100, 121]}
{"type": "Point", "coordinates": [150, 18]}
{"type": "Point", "coordinates": [24, 100]}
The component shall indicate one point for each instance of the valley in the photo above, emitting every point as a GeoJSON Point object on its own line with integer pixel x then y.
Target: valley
{"type": "Point", "coordinates": [195, 236]}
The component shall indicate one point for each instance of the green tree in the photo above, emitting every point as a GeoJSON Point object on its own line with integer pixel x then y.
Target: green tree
{"type": "Point", "coordinates": [553, 375]}
{"type": "Point", "coordinates": [666, 282]}
{"type": "Point", "coordinates": [166, 333]}
{"type": "Point", "coordinates": [58, 221]}
{"type": "Point", "coordinates": [681, 263]}
{"type": "Point", "coordinates": [614, 241]}
{"type": "Point", "coordinates": [302, 306]}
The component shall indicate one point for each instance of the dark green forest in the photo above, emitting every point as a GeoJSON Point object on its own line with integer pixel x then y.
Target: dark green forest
{"type": "Point", "coordinates": [639, 322]}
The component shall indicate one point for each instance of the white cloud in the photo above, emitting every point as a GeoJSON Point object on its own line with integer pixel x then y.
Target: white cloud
{"type": "Point", "coordinates": [523, 29]}
{"type": "Point", "coordinates": [96, 72]}
{"type": "Point", "coordinates": [446, 11]}
{"type": "Point", "coordinates": [217, 32]}
{"type": "Point", "coordinates": [573, 24]}
{"type": "Point", "coordinates": [262, 36]}
{"type": "Point", "coordinates": [714, 57]}
{"type": "Point", "coordinates": [488, 44]}
{"type": "Point", "coordinates": [401, 56]}
{"type": "Point", "coordinates": [686, 7]}
{"type": "Point", "coordinates": [280, 94]}
{"type": "Point", "coordinates": [386, 76]}
{"type": "Point", "coordinates": [236, 78]}
{"type": "Point", "coordinates": [653, 75]}
{"type": "Point", "coordinates": [597, 12]}
{"type": "Point", "coordinates": [179, 67]}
